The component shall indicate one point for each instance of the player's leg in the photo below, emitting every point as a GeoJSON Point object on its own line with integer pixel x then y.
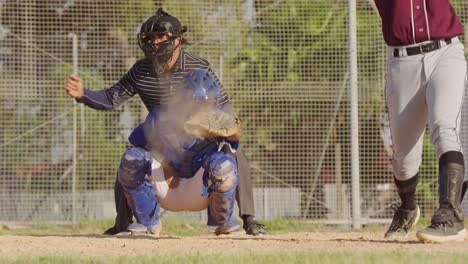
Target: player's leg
{"type": "Point", "coordinates": [444, 99]}
{"type": "Point", "coordinates": [222, 177]}
{"type": "Point", "coordinates": [245, 198]}
{"type": "Point", "coordinates": [407, 117]}
{"type": "Point", "coordinates": [134, 167]}
{"type": "Point", "coordinates": [124, 213]}
{"type": "Point", "coordinates": [123, 209]}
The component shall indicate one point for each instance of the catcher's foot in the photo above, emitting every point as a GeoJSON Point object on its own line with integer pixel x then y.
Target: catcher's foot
{"type": "Point", "coordinates": [252, 227]}
{"type": "Point", "coordinates": [402, 221]}
{"type": "Point", "coordinates": [445, 226]}
{"type": "Point", "coordinates": [229, 230]}
{"type": "Point", "coordinates": [139, 229]}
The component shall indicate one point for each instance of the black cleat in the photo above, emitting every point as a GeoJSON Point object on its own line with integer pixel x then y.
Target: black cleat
{"type": "Point", "coordinates": [111, 231]}
{"type": "Point", "coordinates": [445, 226]}
{"type": "Point", "coordinates": [252, 227]}
{"type": "Point", "coordinates": [402, 221]}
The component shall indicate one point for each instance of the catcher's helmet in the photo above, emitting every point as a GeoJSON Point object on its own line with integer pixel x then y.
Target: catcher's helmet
{"type": "Point", "coordinates": [204, 85]}
{"type": "Point", "coordinates": [160, 24]}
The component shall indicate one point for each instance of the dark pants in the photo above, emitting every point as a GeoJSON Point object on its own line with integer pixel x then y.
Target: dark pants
{"type": "Point", "coordinates": [244, 195]}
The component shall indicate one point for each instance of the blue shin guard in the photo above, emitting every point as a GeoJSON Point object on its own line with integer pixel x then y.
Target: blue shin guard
{"type": "Point", "coordinates": [221, 173]}
{"type": "Point", "coordinates": [134, 166]}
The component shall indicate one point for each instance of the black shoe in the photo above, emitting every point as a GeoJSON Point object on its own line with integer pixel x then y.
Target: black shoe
{"type": "Point", "coordinates": [402, 221]}
{"type": "Point", "coordinates": [445, 226]}
{"type": "Point", "coordinates": [252, 227]}
{"type": "Point", "coordinates": [111, 231]}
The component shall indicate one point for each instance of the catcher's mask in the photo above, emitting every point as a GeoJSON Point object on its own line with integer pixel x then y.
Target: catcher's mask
{"type": "Point", "coordinates": [160, 24]}
{"type": "Point", "coordinates": [203, 85]}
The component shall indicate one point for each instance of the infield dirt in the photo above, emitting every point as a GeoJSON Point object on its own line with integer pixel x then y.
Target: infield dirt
{"type": "Point", "coordinates": [114, 246]}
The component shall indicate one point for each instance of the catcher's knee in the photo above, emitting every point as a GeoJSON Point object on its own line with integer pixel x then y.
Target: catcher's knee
{"type": "Point", "coordinates": [222, 171]}
{"type": "Point", "coordinates": [134, 166]}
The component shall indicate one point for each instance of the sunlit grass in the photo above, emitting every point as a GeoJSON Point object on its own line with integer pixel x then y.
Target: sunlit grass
{"type": "Point", "coordinates": [176, 226]}
{"type": "Point", "coordinates": [310, 257]}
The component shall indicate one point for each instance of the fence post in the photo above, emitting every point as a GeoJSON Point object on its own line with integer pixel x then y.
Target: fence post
{"type": "Point", "coordinates": [74, 38]}
{"type": "Point", "coordinates": [356, 190]}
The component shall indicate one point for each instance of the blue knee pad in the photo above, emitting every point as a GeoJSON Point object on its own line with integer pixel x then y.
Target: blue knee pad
{"type": "Point", "coordinates": [221, 172]}
{"type": "Point", "coordinates": [134, 166]}
{"type": "Point", "coordinates": [143, 203]}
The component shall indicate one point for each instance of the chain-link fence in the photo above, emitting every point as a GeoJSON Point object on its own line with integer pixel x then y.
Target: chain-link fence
{"type": "Point", "coordinates": [284, 64]}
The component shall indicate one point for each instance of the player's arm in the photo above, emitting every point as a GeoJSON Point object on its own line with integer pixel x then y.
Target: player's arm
{"type": "Point", "coordinates": [107, 99]}
{"type": "Point", "coordinates": [379, 6]}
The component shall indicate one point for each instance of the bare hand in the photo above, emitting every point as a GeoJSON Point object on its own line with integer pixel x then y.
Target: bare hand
{"type": "Point", "coordinates": [74, 87]}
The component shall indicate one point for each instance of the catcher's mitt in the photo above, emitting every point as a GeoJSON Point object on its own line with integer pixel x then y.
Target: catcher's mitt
{"type": "Point", "coordinates": [212, 123]}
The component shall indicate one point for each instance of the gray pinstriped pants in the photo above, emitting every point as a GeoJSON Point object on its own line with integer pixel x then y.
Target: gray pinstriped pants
{"type": "Point", "coordinates": [422, 90]}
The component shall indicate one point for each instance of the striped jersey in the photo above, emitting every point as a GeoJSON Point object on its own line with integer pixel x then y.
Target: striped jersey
{"type": "Point", "coordinates": [154, 89]}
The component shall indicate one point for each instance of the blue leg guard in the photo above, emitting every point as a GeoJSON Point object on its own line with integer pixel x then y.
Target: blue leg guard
{"type": "Point", "coordinates": [221, 173]}
{"type": "Point", "coordinates": [134, 166]}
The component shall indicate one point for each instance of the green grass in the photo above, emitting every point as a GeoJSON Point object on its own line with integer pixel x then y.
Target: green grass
{"type": "Point", "coordinates": [322, 258]}
{"type": "Point", "coordinates": [171, 226]}
{"type": "Point", "coordinates": [186, 227]}
{"type": "Point", "coordinates": [84, 227]}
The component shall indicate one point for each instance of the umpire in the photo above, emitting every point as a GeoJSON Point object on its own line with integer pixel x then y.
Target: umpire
{"type": "Point", "coordinates": [155, 79]}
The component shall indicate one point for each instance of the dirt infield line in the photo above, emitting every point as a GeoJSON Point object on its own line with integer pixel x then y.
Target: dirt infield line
{"type": "Point", "coordinates": [101, 246]}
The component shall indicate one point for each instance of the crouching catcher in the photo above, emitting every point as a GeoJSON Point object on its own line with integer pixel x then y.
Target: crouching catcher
{"type": "Point", "coordinates": [182, 159]}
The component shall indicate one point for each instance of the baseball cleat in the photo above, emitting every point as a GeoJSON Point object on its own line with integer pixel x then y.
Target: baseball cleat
{"type": "Point", "coordinates": [139, 229]}
{"type": "Point", "coordinates": [252, 227]}
{"type": "Point", "coordinates": [402, 221]}
{"type": "Point", "coordinates": [445, 226]}
{"type": "Point", "coordinates": [227, 229]}
{"type": "Point", "coordinates": [440, 234]}
{"type": "Point", "coordinates": [123, 233]}
{"type": "Point", "coordinates": [111, 231]}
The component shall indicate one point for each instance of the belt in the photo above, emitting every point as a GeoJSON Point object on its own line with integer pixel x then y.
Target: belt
{"type": "Point", "coordinates": [421, 49]}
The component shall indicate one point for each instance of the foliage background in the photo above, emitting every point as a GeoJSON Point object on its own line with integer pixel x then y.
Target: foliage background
{"type": "Point", "coordinates": [284, 64]}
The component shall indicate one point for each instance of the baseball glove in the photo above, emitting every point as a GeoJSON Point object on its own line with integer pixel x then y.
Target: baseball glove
{"type": "Point", "coordinates": [212, 123]}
